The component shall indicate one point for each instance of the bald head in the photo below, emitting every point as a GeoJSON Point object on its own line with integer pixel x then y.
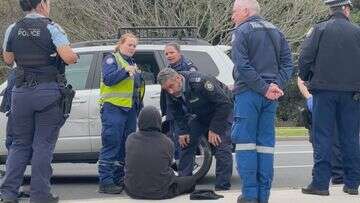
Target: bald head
{"type": "Point", "coordinates": [244, 9]}
{"type": "Point", "coordinates": [252, 5]}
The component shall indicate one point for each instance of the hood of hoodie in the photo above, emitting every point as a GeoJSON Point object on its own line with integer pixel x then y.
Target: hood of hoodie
{"type": "Point", "coordinates": [149, 119]}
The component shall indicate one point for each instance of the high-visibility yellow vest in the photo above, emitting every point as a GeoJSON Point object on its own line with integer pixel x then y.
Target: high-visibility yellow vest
{"type": "Point", "coordinates": [120, 94]}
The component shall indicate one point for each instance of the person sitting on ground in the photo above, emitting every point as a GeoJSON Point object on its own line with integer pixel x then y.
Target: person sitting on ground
{"type": "Point", "coordinates": [149, 156]}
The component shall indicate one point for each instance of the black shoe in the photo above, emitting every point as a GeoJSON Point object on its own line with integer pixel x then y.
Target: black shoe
{"type": "Point", "coordinates": [4, 200]}
{"type": "Point", "coordinates": [242, 200]}
{"type": "Point", "coordinates": [350, 191]}
{"type": "Point", "coordinates": [313, 191]}
{"type": "Point", "coordinates": [110, 189]}
{"type": "Point", "coordinates": [337, 181]}
{"type": "Point", "coordinates": [51, 199]}
{"type": "Point", "coordinates": [204, 195]}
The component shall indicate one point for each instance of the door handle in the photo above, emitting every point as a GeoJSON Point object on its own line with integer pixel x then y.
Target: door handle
{"type": "Point", "coordinates": [155, 95]}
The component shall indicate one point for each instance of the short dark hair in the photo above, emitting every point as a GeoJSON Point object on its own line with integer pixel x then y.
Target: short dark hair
{"type": "Point", "coordinates": [28, 5]}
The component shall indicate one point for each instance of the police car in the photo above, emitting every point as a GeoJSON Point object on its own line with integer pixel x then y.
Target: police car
{"type": "Point", "coordinates": [79, 140]}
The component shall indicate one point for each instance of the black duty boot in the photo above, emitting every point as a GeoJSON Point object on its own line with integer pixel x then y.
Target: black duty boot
{"type": "Point", "coordinates": [242, 200]}
{"type": "Point", "coordinates": [351, 191]}
{"type": "Point", "coordinates": [313, 191]}
{"type": "Point", "coordinates": [110, 189]}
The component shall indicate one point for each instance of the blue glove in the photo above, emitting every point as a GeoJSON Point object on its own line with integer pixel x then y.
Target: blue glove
{"type": "Point", "coordinates": [309, 103]}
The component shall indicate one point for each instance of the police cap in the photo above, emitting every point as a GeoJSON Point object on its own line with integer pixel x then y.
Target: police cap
{"type": "Point", "coordinates": [336, 3]}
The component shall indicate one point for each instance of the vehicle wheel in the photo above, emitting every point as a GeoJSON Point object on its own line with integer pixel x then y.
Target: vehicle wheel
{"type": "Point", "coordinates": [203, 159]}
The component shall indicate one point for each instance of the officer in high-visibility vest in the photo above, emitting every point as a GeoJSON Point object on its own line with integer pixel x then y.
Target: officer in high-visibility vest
{"type": "Point", "coordinates": [121, 92]}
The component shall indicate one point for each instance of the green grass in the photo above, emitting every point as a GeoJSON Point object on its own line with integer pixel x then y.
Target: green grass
{"type": "Point", "coordinates": [291, 132]}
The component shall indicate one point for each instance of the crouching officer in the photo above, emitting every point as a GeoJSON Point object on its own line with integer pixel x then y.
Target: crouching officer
{"type": "Point", "coordinates": [35, 43]}
{"type": "Point", "coordinates": [200, 105]}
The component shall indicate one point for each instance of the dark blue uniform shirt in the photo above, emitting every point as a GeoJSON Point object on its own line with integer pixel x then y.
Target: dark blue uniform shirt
{"type": "Point", "coordinates": [204, 98]}
{"type": "Point", "coordinates": [255, 58]}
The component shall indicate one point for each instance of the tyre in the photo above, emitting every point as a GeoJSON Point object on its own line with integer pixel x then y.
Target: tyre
{"type": "Point", "coordinates": [203, 159]}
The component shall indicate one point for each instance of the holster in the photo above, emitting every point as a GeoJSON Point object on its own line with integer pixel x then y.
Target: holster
{"type": "Point", "coordinates": [67, 96]}
{"type": "Point", "coordinates": [19, 76]}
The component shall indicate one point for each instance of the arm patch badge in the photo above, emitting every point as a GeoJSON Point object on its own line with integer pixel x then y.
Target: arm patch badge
{"type": "Point", "coordinates": [209, 86]}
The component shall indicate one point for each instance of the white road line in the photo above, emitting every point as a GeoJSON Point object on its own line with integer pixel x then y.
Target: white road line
{"type": "Point", "coordinates": [293, 145]}
{"type": "Point", "coordinates": [295, 166]}
{"type": "Point", "coordinates": [293, 152]}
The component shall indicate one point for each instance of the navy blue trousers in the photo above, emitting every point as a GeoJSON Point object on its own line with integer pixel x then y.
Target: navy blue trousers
{"type": "Point", "coordinates": [36, 119]}
{"type": "Point", "coordinates": [117, 124]}
{"type": "Point", "coordinates": [338, 107]}
{"type": "Point", "coordinates": [223, 154]}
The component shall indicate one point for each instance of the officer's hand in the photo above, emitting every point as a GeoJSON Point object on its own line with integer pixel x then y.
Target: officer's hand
{"type": "Point", "coordinates": [184, 140]}
{"type": "Point", "coordinates": [214, 138]}
{"type": "Point", "coordinates": [132, 70]}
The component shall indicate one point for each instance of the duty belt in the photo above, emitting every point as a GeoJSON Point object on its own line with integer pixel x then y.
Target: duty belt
{"type": "Point", "coordinates": [34, 80]}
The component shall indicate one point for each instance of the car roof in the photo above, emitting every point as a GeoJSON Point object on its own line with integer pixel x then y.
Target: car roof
{"type": "Point", "coordinates": [147, 41]}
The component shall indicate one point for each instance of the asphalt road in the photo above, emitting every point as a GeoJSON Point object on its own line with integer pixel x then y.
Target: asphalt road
{"type": "Point", "coordinates": [293, 163]}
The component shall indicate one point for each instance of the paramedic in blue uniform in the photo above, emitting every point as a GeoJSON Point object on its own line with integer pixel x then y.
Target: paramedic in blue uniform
{"type": "Point", "coordinates": [34, 43]}
{"type": "Point", "coordinates": [263, 65]}
{"type": "Point", "coordinates": [201, 106]}
{"type": "Point", "coordinates": [121, 92]}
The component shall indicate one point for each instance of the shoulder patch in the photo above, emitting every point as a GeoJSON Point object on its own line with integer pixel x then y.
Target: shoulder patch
{"type": "Point", "coordinates": [308, 34]}
{"type": "Point", "coordinates": [209, 86]}
{"type": "Point", "coordinates": [192, 69]}
{"type": "Point", "coordinates": [59, 28]}
{"type": "Point", "coordinates": [264, 24]}
{"type": "Point", "coordinates": [110, 61]}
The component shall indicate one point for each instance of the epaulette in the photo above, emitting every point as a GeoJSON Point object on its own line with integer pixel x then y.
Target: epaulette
{"type": "Point", "coordinates": [195, 79]}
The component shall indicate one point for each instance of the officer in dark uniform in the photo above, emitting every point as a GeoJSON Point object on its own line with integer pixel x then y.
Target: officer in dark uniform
{"type": "Point", "coordinates": [178, 62]}
{"type": "Point", "coordinates": [36, 44]}
{"type": "Point", "coordinates": [330, 62]}
{"type": "Point", "coordinates": [201, 105]}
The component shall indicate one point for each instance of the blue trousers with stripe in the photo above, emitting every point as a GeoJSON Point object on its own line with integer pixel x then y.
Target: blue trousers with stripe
{"type": "Point", "coordinates": [253, 132]}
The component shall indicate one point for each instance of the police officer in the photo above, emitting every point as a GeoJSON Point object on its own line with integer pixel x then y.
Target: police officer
{"type": "Point", "coordinates": [329, 61]}
{"type": "Point", "coordinates": [263, 65]}
{"type": "Point", "coordinates": [201, 105]}
{"type": "Point", "coordinates": [337, 171]}
{"type": "Point", "coordinates": [121, 90]}
{"type": "Point", "coordinates": [178, 62]}
{"type": "Point", "coordinates": [34, 43]}
{"type": "Point", "coordinates": [176, 59]}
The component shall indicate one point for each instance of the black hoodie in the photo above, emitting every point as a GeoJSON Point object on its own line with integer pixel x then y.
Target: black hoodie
{"type": "Point", "coordinates": [149, 155]}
